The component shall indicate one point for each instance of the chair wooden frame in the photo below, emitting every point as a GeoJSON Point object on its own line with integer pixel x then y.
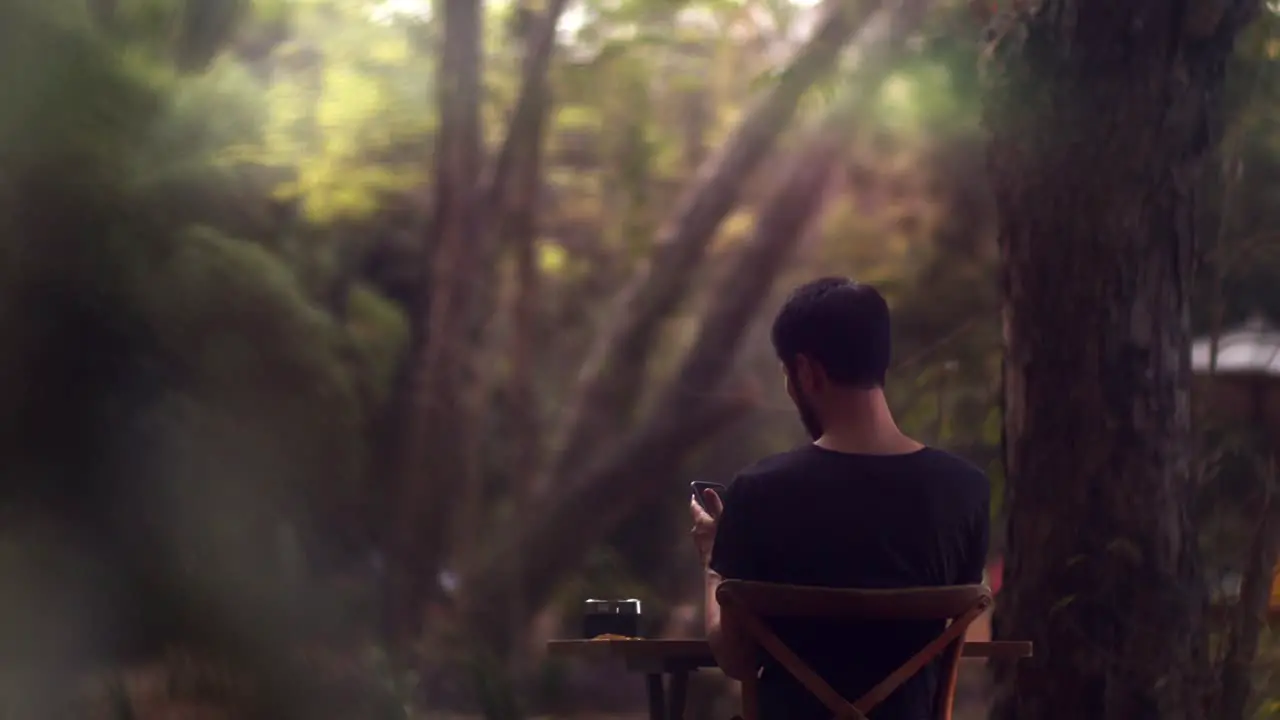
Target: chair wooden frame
{"type": "Point", "coordinates": [749, 603]}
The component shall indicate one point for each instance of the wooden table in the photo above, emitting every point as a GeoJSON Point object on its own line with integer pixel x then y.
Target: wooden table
{"type": "Point", "coordinates": [677, 658]}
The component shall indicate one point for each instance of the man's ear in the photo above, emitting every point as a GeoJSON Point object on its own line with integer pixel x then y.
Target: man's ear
{"type": "Point", "coordinates": [806, 373]}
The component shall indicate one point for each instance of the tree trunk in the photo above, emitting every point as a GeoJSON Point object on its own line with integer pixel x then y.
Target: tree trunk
{"type": "Point", "coordinates": [1248, 619]}
{"type": "Point", "coordinates": [509, 195]}
{"type": "Point", "coordinates": [433, 455]}
{"type": "Point", "coordinates": [443, 383]}
{"type": "Point", "coordinates": [1101, 115]}
{"type": "Point", "coordinates": [518, 231]}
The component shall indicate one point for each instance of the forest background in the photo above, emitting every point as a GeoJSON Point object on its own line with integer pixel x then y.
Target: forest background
{"type": "Point", "coordinates": [349, 345]}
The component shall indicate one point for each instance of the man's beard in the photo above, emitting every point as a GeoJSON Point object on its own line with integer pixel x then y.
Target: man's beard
{"type": "Point", "coordinates": [807, 415]}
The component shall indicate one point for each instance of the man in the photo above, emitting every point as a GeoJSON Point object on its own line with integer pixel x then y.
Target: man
{"type": "Point", "coordinates": [863, 506]}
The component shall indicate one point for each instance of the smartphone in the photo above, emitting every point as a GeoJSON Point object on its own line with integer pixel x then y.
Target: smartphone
{"type": "Point", "coordinates": [698, 488]}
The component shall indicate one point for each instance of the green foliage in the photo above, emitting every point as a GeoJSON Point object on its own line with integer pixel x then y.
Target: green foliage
{"type": "Point", "coordinates": [346, 94]}
{"type": "Point", "coordinates": [250, 344]}
{"type": "Point", "coordinates": [379, 331]}
{"type": "Point", "coordinates": [209, 283]}
{"type": "Point", "coordinates": [919, 95]}
{"type": "Point", "coordinates": [200, 117]}
{"type": "Point", "coordinates": [150, 359]}
{"type": "Point", "coordinates": [65, 97]}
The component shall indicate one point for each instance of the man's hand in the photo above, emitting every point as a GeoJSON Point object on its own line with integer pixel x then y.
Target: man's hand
{"type": "Point", "coordinates": [733, 648]}
{"type": "Point", "coordinates": [704, 523]}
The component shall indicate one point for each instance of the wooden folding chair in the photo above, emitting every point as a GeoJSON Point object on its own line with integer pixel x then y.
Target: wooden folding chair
{"type": "Point", "coordinates": [750, 603]}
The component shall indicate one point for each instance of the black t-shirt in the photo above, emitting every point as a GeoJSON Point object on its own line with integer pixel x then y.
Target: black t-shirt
{"type": "Point", "coordinates": [824, 518]}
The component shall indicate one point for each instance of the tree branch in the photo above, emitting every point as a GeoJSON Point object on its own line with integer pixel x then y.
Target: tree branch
{"type": "Point", "coordinates": [531, 104]}
{"type": "Point", "coordinates": [513, 195]}
{"type": "Point", "coordinates": [597, 495]}
{"type": "Point", "coordinates": [652, 295]}
{"type": "Point", "coordinates": [595, 500]}
{"type": "Point", "coordinates": [438, 495]}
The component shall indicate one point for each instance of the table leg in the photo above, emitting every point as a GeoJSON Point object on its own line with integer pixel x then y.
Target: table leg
{"type": "Point", "coordinates": [679, 692]}
{"type": "Point", "coordinates": [657, 697]}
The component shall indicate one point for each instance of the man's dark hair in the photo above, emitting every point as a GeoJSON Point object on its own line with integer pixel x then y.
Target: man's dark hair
{"type": "Point", "coordinates": [840, 324]}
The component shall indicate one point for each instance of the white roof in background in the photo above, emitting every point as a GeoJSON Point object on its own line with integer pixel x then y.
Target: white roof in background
{"type": "Point", "coordinates": [1250, 349]}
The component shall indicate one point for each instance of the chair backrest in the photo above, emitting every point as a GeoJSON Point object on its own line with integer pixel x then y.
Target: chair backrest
{"type": "Point", "coordinates": [750, 603]}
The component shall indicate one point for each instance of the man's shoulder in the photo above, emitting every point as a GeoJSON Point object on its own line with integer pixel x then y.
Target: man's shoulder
{"type": "Point", "coordinates": [962, 486]}
{"type": "Point", "coordinates": [951, 461]}
{"type": "Point", "coordinates": [771, 466]}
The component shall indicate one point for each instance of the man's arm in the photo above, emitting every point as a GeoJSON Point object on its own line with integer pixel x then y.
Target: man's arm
{"type": "Point", "coordinates": [734, 650]}
{"type": "Point", "coordinates": [732, 556]}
